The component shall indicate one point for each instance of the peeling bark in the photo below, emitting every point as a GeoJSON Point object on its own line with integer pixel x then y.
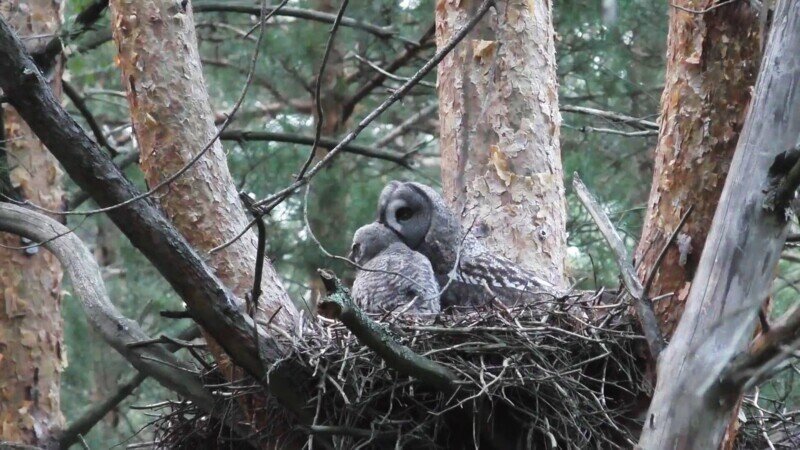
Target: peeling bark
{"type": "Point", "coordinates": [499, 124]}
{"type": "Point", "coordinates": [693, 402]}
{"type": "Point", "coordinates": [32, 354]}
{"type": "Point", "coordinates": [173, 121]}
{"type": "Point", "coordinates": [712, 61]}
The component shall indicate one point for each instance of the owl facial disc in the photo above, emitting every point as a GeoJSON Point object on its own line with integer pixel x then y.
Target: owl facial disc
{"type": "Point", "coordinates": [406, 209]}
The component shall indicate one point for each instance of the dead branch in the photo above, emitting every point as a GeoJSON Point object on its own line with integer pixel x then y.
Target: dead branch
{"type": "Point", "coordinates": [95, 412]}
{"type": "Point", "coordinates": [690, 408]}
{"type": "Point", "coordinates": [87, 282]}
{"type": "Point", "coordinates": [356, 149]}
{"type": "Point", "coordinates": [644, 308]}
{"type": "Point", "coordinates": [212, 304]}
{"type": "Point", "coordinates": [612, 116]}
{"type": "Point", "coordinates": [768, 351]}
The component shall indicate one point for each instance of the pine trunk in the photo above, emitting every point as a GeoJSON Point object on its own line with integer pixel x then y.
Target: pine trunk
{"type": "Point", "coordinates": [499, 130]}
{"type": "Point", "coordinates": [173, 120]}
{"type": "Point", "coordinates": [712, 62]}
{"type": "Point", "coordinates": [32, 355]}
{"type": "Point", "coordinates": [694, 397]}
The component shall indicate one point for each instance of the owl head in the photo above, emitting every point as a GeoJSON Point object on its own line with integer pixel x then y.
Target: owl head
{"type": "Point", "coordinates": [420, 217]}
{"type": "Point", "coordinates": [369, 241]}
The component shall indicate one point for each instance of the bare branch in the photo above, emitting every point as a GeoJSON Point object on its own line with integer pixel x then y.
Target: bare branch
{"type": "Point", "coordinates": [300, 13]}
{"type": "Point", "coordinates": [80, 104]}
{"type": "Point", "coordinates": [279, 196]}
{"type": "Point", "coordinates": [768, 351]}
{"type": "Point", "coordinates": [356, 149]}
{"type": "Point", "coordinates": [404, 58]}
{"type": "Point", "coordinates": [612, 116]}
{"type": "Point", "coordinates": [95, 413]}
{"type": "Point", "coordinates": [87, 282]}
{"type": "Point", "coordinates": [406, 124]}
{"type": "Point", "coordinates": [644, 308]}
{"type": "Point", "coordinates": [643, 133]}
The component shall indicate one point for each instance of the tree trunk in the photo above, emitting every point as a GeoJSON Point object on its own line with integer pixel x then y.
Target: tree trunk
{"type": "Point", "coordinates": [692, 406]}
{"type": "Point", "coordinates": [173, 121]}
{"type": "Point", "coordinates": [712, 62]}
{"type": "Point", "coordinates": [499, 123]}
{"type": "Point", "coordinates": [31, 329]}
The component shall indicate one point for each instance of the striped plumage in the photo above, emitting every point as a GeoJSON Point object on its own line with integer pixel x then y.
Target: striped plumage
{"type": "Point", "coordinates": [392, 277]}
{"type": "Point", "coordinates": [419, 215]}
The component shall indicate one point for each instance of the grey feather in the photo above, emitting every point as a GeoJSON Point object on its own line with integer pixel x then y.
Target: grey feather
{"type": "Point", "coordinates": [393, 277]}
{"type": "Point", "coordinates": [421, 218]}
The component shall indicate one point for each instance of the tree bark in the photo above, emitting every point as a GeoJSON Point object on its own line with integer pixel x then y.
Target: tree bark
{"type": "Point", "coordinates": [173, 121]}
{"type": "Point", "coordinates": [499, 131]}
{"type": "Point", "coordinates": [211, 304]}
{"type": "Point", "coordinates": [712, 62]}
{"type": "Point", "coordinates": [691, 406]}
{"type": "Point", "coordinates": [32, 355]}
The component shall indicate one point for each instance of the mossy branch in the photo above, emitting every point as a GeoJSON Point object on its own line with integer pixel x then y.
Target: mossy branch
{"type": "Point", "coordinates": [339, 305]}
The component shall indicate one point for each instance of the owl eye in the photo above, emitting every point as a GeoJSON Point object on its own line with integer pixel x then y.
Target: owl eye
{"type": "Point", "coordinates": [354, 252]}
{"type": "Point", "coordinates": [404, 214]}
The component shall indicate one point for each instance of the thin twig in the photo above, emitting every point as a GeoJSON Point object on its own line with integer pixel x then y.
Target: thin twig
{"type": "Point", "coordinates": [80, 104]}
{"type": "Point", "coordinates": [612, 116]}
{"type": "Point", "coordinates": [356, 149]}
{"type": "Point", "coordinates": [318, 89]}
{"type": "Point", "coordinates": [652, 274]}
{"type": "Point", "coordinates": [397, 95]}
{"type": "Point", "coordinates": [169, 180]}
{"type": "Point", "coordinates": [702, 11]}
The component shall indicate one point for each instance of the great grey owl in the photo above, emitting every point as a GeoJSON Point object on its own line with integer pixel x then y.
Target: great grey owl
{"type": "Point", "coordinates": [391, 276]}
{"type": "Point", "coordinates": [419, 215]}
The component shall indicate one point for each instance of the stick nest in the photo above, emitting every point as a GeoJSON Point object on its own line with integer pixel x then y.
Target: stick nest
{"type": "Point", "coordinates": [534, 376]}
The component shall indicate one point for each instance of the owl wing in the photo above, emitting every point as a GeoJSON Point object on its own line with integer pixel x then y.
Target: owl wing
{"type": "Point", "coordinates": [394, 278]}
{"type": "Point", "coordinates": [493, 275]}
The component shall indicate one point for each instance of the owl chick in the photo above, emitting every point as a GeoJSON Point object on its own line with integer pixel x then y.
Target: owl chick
{"type": "Point", "coordinates": [421, 218]}
{"type": "Point", "coordinates": [391, 277]}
